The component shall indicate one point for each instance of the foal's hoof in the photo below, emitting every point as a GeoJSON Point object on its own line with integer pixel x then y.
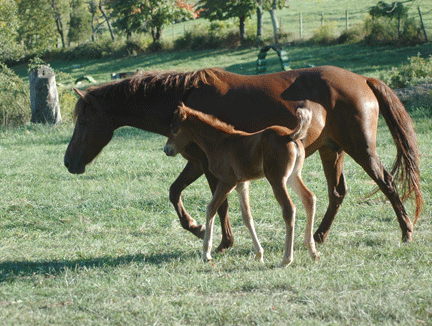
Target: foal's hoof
{"type": "Point", "coordinates": [207, 258]}
{"type": "Point", "coordinates": [316, 256]}
{"type": "Point", "coordinates": [259, 257]}
{"type": "Point", "coordinates": [285, 263]}
{"type": "Point", "coordinates": [407, 238]}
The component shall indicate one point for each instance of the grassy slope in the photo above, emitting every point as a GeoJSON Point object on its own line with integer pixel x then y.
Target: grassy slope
{"type": "Point", "coordinates": [106, 246]}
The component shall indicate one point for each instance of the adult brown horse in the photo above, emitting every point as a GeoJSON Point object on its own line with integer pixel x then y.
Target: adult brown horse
{"type": "Point", "coordinates": [345, 110]}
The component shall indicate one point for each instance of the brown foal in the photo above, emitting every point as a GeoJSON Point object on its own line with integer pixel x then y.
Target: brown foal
{"type": "Point", "coordinates": [235, 157]}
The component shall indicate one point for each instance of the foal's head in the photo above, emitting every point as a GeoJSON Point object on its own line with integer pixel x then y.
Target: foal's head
{"type": "Point", "coordinates": [178, 136]}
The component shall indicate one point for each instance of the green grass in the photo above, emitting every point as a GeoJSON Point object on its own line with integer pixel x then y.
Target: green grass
{"type": "Point", "coordinates": [106, 247]}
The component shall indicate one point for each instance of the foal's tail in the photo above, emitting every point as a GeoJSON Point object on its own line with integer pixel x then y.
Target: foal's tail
{"type": "Point", "coordinates": [304, 117]}
{"type": "Point", "coordinates": [406, 166]}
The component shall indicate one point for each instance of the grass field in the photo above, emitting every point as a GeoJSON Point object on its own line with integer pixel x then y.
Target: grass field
{"type": "Point", "coordinates": [106, 247]}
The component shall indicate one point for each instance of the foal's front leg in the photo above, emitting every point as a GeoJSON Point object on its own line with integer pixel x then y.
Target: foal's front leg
{"type": "Point", "coordinates": [219, 196]}
{"type": "Point", "coordinates": [243, 194]}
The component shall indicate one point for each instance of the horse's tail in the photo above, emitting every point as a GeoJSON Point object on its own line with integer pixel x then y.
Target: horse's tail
{"type": "Point", "coordinates": [304, 117]}
{"type": "Point", "coordinates": [406, 168]}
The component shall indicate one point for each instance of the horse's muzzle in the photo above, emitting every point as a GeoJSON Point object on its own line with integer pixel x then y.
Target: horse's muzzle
{"type": "Point", "coordinates": [74, 168]}
{"type": "Point", "coordinates": [169, 151]}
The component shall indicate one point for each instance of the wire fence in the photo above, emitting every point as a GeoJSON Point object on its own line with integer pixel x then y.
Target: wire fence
{"type": "Point", "coordinates": [304, 25]}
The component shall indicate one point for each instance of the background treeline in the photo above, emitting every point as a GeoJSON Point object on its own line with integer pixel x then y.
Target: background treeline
{"type": "Point", "coordinates": [71, 29]}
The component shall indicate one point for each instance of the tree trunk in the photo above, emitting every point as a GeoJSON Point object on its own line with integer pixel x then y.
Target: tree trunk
{"type": "Point", "coordinates": [242, 29]}
{"type": "Point", "coordinates": [275, 23]}
{"type": "Point", "coordinates": [107, 19]}
{"type": "Point", "coordinates": [58, 21]}
{"type": "Point", "coordinates": [44, 101]}
{"type": "Point", "coordinates": [259, 35]}
{"type": "Point", "coordinates": [93, 9]}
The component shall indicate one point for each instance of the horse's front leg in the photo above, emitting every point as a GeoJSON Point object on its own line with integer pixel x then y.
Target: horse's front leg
{"type": "Point", "coordinates": [190, 173]}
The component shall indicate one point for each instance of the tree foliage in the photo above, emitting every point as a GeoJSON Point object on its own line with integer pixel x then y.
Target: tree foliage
{"type": "Point", "coordinates": [8, 28]}
{"type": "Point", "coordinates": [146, 15]}
{"type": "Point", "coordinates": [80, 22]}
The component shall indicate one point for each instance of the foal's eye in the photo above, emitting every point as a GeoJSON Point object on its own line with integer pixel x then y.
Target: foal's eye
{"type": "Point", "coordinates": [81, 122]}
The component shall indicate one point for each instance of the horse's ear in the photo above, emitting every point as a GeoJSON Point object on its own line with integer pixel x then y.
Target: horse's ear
{"type": "Point", "coordinates": [80, 93]}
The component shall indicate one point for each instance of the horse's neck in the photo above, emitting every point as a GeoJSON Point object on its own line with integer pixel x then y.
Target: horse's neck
{"type": "Point", "coordinates": [152, 116]}
{"type": "Point", "coordinates": [206, 136]}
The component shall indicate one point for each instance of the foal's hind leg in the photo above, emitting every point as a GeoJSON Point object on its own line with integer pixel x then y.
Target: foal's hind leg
{"type": "Point", "coordinates": [288, 212]}
{"type": "Point", "coordinates": [243, 194]}
{"type": "Point", "coordinates": [309, 202]}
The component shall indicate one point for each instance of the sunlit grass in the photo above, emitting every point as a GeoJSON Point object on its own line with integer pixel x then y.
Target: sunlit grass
{"type": "Point", "coordinates": [106, 247]}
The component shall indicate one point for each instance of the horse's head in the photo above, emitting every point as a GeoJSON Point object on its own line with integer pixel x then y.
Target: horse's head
{"type": "Point", "coordinates": [93, 130]}
{"type": "Point", "coordinates": [178, 136]}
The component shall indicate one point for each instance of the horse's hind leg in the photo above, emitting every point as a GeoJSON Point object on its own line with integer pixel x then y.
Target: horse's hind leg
{"type": "Point", "coordinates": [332, 162]}
{"type": "Point", "coordinates": [375, 169]}
{"type": "Point", "coordinates": [243, 194]}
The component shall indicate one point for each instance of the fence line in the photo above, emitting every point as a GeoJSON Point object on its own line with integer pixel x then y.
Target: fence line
{"type": "Point", "coordinates": [302, 25]}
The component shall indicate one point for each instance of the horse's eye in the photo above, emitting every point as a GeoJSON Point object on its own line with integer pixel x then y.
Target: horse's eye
{"type": "Point", "coordinates": [81, 122]}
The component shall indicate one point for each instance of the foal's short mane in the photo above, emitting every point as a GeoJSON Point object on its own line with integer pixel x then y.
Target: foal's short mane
{"type": "Point", "coordinates": [210, 120]}
{"type": "Point", "coordinates": [146, 83]}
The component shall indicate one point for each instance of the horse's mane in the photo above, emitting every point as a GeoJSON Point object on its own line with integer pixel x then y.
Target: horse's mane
{"type": "Point", "coordinates": [148, 81]}
{"type": "Point", "coordinates": [210, 120]}
{"type": "Point", "coordinates": [145, 84]}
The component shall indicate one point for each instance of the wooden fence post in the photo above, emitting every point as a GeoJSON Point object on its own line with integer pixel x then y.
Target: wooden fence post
{"type": "Point", "coordinates": [346, 20]}
{"type": "Point", "coordinates": [422, 24]}
{"type": "Point", "coordinates": [44, 101]}
{"type": "Point", "coordinates": [301, 25]}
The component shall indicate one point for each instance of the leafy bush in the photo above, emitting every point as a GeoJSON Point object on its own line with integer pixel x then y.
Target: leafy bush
{"type": "Point", "coordinates": [419, 70]}
{"type": "Point", "coordinates": [325, 34]}
{"type": "Point", "coordinates": [14, 98]}
{"type": "Point", "coordinates": [353, 35]}
{"type": "Point", "coordinates": [384, 30]}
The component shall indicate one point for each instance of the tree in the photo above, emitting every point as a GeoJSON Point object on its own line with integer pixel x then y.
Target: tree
{"type": "Point", "coordinates": [79, 24]}
{"type": "Point", "coordinates": [8, 29]}
{"type": "Point", "coordinates": [146, 15]}
{"type": "Point", "coordinates": [60, 10]}
{"type": "Point", "coordinates": [226, 9]}
{"type": "Point", "coordinates": [241, 9]}
{"type": "Point", "coordinates": [37, 29]}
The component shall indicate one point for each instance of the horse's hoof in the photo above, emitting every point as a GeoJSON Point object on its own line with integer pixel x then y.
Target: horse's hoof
{"type": "Point", "coordinates": [200, 231]}
{"type": "Point", "coordinates": [320, 237]}
{"type": "Point", "coordinates": [224, 245]}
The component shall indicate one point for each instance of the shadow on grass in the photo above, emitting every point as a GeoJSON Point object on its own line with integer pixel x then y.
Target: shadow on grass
{"type": "Point", "coordinates": [11, 271]}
